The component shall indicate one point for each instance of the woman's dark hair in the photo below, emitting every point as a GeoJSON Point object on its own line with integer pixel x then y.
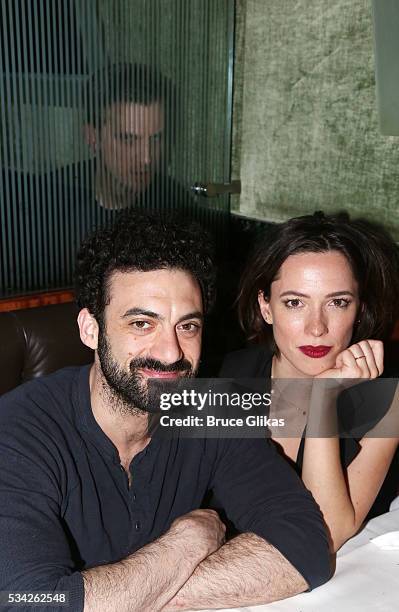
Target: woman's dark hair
{"type": "Point", "coordinates": [142, 242]}
{"type": "Point", "coordinates": [369, 249]}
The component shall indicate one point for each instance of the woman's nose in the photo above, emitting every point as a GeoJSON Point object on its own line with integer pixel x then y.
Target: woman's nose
{"type": "Point", "coordinates": [316, 324]}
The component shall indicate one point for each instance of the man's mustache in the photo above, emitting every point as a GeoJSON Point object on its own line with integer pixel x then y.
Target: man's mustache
{"type": "Point", "coordinates": [183, 365]}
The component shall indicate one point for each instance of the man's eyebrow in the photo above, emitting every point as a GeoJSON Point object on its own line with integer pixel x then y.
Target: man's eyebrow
{"type": "Point", "coordinates": [192, 315]}
{"type": "Point", "coordinates": [197, 314]}
{"type": "Point", "coordinates": [141, 311]}
{"type": "Point", "coordinates": [125, 134]}
{"type": "Point", "coordinates": [334, 294]}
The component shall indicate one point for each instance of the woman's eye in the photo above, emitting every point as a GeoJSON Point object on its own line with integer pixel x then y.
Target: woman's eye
{"type": "Point", "coordinates": [294, 303]}
{"type": "Point", "coordinates": [341, 302]}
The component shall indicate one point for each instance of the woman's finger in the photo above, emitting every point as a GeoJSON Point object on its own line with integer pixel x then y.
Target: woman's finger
{"type": "Point", "coordinates": [378, 350]}
{"type": "Point", "coordinates": [362, 365]}
{"type": "Point", "coordinates": [352, 363]}
{"type": "Point", "coordinates": [371, 358]}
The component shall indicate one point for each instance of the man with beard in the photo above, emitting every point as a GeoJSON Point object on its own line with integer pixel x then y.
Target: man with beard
{"type": "Point", "coordinates": [92, 507]}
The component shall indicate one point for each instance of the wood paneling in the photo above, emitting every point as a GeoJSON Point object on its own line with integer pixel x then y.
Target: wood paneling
{"type": "Point", "coordinates": [35, 300]}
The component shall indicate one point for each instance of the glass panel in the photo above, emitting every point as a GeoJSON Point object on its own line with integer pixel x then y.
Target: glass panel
{"type": "Point", "coordinates": [106, 105]}
{"type": "Point", "coordinates": [386, 24]}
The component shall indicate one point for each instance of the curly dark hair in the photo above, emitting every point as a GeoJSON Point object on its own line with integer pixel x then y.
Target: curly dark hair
{"type": "Point", "coordinates": [142, 242]}
{"type": "Point", "coordinates": [369, 249]}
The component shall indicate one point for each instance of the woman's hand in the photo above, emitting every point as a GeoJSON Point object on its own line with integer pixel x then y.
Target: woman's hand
{"type": "Point", "coordinates": [365, 359]}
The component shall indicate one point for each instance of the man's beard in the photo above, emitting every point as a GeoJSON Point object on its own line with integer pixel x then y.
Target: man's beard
{"type": "Point", "coordinates": [129, 392]}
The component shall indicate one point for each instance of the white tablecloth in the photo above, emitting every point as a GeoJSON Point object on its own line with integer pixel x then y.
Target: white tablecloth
{"type": "Point", "coordinates": [366, 578]}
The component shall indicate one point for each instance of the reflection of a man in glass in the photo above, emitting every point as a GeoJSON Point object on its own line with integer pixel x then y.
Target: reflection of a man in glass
{"type": "Point", "coordinates": [128, 104]}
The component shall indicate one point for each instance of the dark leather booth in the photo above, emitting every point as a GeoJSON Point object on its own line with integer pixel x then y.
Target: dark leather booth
{"type": "Point", "coordinates": [37, 341]}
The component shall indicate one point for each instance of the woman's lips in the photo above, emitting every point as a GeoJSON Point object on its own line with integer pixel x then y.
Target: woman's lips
{"type": "Point", "coordinates": [315, 351]}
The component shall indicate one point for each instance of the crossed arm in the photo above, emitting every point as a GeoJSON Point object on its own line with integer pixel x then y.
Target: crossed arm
{"type": "Point", "coordinates": [282, 549]}
{"type": "Point", "coordinates": [170, 575]}
{"type": "Point", "coordinates": [246, 571]}
{"type": "Point", "coordinates": [189, 567]}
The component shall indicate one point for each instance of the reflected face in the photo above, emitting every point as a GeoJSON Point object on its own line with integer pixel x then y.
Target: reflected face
{"type": "Point", "coordinates": [314, 302]}
{"type": "Point", "coordinates": [153, 330]}
{"type": "Point", "coordinates": [129, 143]}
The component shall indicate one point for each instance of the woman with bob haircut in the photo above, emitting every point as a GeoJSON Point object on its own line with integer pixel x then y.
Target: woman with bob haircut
{"type": "Point", "coordinates": [320, 294]}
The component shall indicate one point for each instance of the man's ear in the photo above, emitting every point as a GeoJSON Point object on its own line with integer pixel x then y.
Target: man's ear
{"type": "Point", "coordinates": [88, 329]}
{"type": "Point", "coordinates": [264, 306]}
{"type": "Point", "coordinates": [90, 136]}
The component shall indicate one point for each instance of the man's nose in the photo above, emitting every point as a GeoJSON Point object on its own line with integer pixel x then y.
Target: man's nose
{"type": "Point", "coordinates": [145, 152]}
{"type": "Point", "coordinates": [316, 324]}
{"type": "Point", "coordinates": [167, 347]}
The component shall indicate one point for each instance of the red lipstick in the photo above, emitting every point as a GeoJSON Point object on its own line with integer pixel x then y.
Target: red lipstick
{"type": "Point", "coordinates": [315, 351]}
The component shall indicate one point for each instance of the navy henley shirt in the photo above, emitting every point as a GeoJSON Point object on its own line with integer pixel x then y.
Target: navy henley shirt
{"type": "Point", "coordinates": [66, 505]}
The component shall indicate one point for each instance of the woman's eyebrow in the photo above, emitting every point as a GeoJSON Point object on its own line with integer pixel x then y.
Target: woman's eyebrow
{"type": "Point", "coordinates": [292, 292]}
{"type": "Point", "coordinates": [337, 293]}
{"type": "Point", "coordinates": [333, 294]}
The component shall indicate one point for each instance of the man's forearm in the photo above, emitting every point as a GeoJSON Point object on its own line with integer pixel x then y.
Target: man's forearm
{"type": "Point", "coordinates": [146, 580]}
{"type": "Point", "coordinates": [142, 582]}
{"type": "Point", "coordinates": [245, 571]}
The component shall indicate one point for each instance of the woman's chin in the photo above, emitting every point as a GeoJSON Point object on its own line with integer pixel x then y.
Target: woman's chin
{"type": "Point", "coordinates": [313, 367]}
{"type": "Point", "coordinates": [294, 366]}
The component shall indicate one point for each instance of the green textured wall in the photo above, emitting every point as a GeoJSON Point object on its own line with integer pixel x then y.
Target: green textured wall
{"type": "Point", "coordinates": [306, 128]}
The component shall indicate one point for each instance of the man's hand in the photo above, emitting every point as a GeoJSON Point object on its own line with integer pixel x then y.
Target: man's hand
{"type": "Point", "coordinates": [203, 529]}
